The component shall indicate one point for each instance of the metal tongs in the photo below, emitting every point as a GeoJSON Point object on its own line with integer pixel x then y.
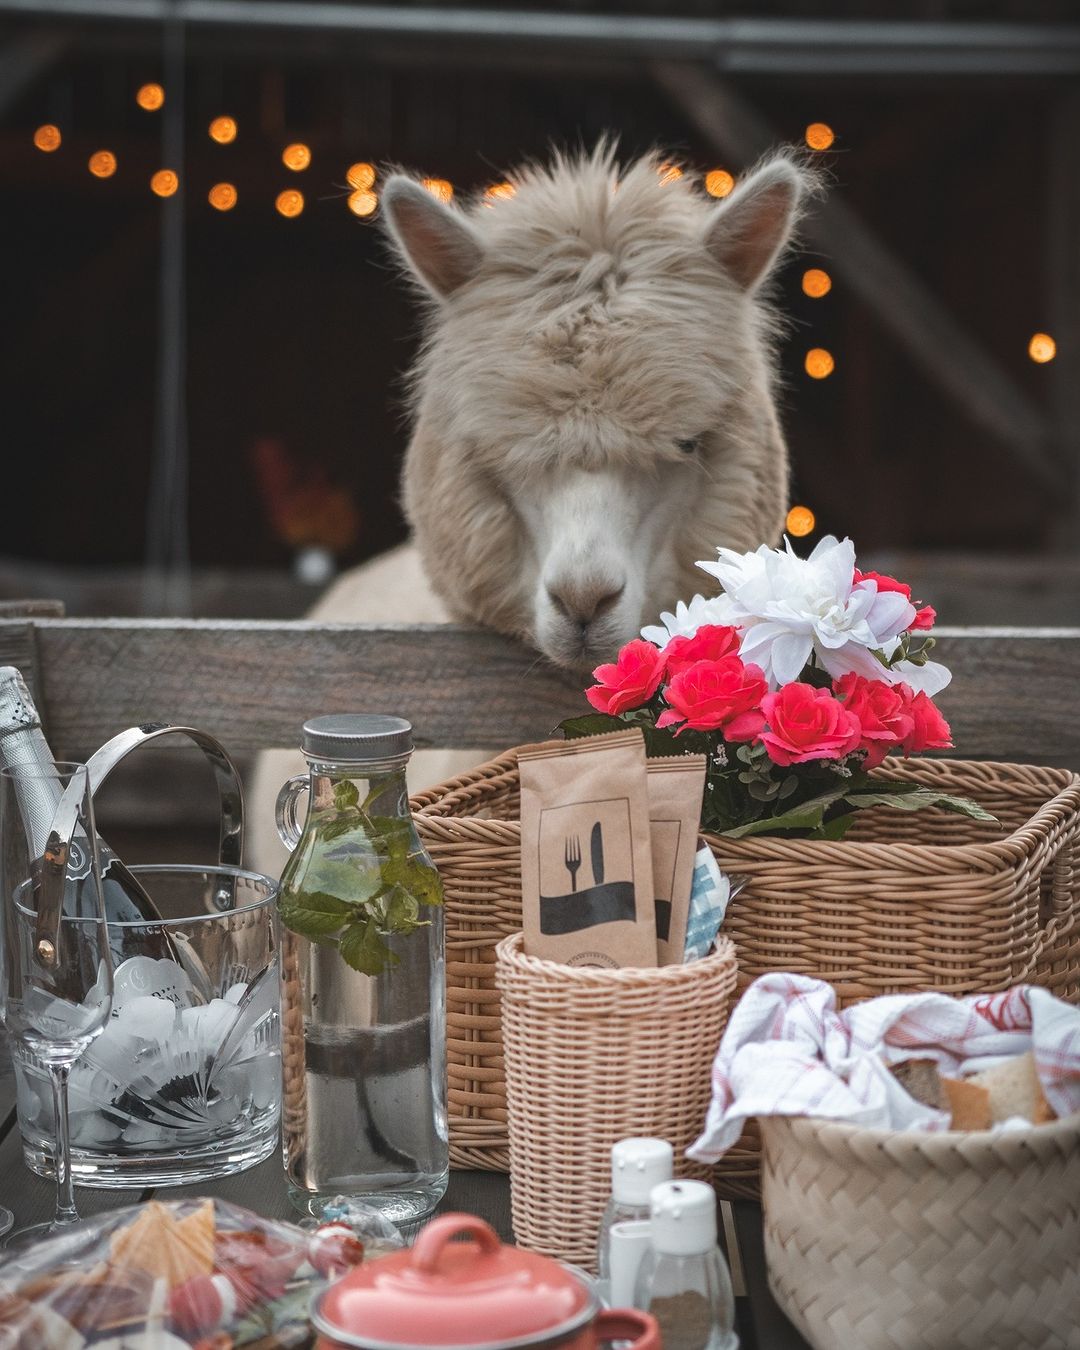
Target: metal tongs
{"type": "Point", "coordinates": [58, 846]}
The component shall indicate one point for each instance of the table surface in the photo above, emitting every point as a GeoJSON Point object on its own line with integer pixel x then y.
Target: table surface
{"type": "Point", "coordinates": [761, 1324]}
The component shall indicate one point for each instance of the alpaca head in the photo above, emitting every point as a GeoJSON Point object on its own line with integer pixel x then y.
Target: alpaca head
{"type": "Point", "coordinates": [593, 402]}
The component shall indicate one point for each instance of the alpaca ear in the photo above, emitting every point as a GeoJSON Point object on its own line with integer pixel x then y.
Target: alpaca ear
{"type": "Point", "coordinates": [436, 241]}
{"type": "Point", "coordinates": [749, 230]}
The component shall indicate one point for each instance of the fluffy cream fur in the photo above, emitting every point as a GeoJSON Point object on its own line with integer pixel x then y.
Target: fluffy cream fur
{"type": "Point", "coordinates": [593, 405]}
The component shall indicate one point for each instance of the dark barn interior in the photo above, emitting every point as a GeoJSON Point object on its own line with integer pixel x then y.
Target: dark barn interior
{"type": "Point", "coordinates": [948, 235]}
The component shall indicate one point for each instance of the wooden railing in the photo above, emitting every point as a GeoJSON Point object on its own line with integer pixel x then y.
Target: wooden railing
{"type": "Point", "coordinates": [1015, 693]}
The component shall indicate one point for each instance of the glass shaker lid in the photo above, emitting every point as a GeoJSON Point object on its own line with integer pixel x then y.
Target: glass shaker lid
{"type": "Point", "coordinates": [357, 737]}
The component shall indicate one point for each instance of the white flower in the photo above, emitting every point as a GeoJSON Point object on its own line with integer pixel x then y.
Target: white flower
{"type": "Point", "coordinates": [688, 618]}
{"type": "Point", "coordinates": [790, 608]}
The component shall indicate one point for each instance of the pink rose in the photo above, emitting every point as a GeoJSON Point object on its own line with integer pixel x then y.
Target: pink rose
{"type": "Point", "coordinates": [929, 730]}
{"type": "Point", "coordinates": [631, 681]}
{"type": "Point", "coordinates": [722, 695]}
{"type": "Point", "coordinates": [882, 710]}
{"type": "Point", "coordinates": [711, 642]}
{"type": "Point", "coordinates": [807, 723]}
{"type": "Point", "coordinates": [925, 615]}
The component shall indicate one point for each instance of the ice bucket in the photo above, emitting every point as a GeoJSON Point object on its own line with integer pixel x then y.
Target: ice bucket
{"type": "Point", "coordinates": [183, 1086]}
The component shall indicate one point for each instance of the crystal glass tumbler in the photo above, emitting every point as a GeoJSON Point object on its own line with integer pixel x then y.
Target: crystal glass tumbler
{"type": "Point", "coordinates": [184, 1084]}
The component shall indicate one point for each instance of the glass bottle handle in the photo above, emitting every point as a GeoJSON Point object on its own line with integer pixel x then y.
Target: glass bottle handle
{"type": "Point", "coordinates": [288, 825]}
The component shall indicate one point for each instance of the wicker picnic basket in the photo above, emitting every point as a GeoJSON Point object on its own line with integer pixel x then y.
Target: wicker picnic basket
{"type": "Point", "coordinates": [900, 1240]}
{"type": "Point", "coordinates": [910, 900]}
{"type": "Point", "coordinates": [594, 1056]}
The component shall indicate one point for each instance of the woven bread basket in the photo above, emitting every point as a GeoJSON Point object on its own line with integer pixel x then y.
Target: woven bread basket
{"type": "Point", "coordinates": [594, 1056]}
{"type": "Point", "coordinates": [909, 901]}
{"type": "Point", "coordinates": [900, 1240]}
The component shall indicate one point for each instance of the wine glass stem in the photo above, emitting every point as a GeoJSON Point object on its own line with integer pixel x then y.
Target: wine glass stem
{"type": "Point", "coordinates": [65, 1195]}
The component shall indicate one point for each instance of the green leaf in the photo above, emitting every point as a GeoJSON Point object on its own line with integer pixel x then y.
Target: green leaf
{"type": "Point", "coordinates": [313, 914]}
{"type": "Point", "coordinates": [362, 947]}
{"type": "Point", "coordinates": [837, 827]}
{"type": "Point", "coordinates": [902, 798]}
{"type": "Point", "coordinates": [806, 816]}
{"type": "Point", "coordinates": [346, 794]}
{"type": "Point", "coordinates": [402, 910]}
{"type": "Point", "coordinates": [336, 876]}
{"type": "Point", "coordinates": [590, 724]}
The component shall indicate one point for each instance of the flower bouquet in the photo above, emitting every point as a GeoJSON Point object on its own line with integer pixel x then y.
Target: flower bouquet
{"type": "Point", "coordinates": [796, 681]}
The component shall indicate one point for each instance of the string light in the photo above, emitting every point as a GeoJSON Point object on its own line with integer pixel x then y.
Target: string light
{"type": "Point", "coordinates": [48, 138]}
{"type": "Point", "coordinates": [816, 283]}
{"type": "Point", "coordinates": [223, 130]}
{"type": "Point", "coordinates": [360, 176]}
{"type": "Point", "coordinates": [498, 192]}
{"type": "Point", "coordinates": [800, 521]}
{"type": "Point", "coordinates": [819, 363]}
{"type": "Point", "coordinates": [296, 156]}
{"type": "Point", "coordinates": [819, 135]}
{"type": "Point", "coordinates": [718, 182]}
{"type": "Point", "coordinates": [102, 164]}
{"type": "Point", "coordinates": [164, 183]}
{"type": "Point", "coordinates": [439, 188]}
{"type": "Point", "coordinates": [1042, 348]}
{"type": "Point", "coordinates": [362, 202]}
{"type": "Point", "coordinates": [222, 196]}
{"type": "Point", "coordinates": [150, 97]}
{"type": "Point", "coordinates": [669, 173]}
{"type": "Point", "coordinates": [290, 203]}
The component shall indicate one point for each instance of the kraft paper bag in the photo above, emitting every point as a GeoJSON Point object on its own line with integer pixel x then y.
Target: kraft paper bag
{"type": "Point", "coordinates": [675, 785]}
{"type": "Point", "coordinates": [586, 862]}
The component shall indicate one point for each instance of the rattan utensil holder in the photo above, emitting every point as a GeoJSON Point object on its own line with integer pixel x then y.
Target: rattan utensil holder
{"type": "Point", "coordinates": [594, 1056]}
{"type": "Point", "coordinates": [900, 1240]}
{"type": "Point", "coordinates": [910, 900]}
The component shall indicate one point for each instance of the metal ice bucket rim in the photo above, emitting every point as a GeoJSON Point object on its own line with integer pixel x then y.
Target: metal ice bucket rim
{"type": "Point", "coordinates": [205, 869]}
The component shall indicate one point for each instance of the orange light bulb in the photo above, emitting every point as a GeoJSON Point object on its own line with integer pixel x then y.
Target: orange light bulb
{"type": "Point", "coordinates": [499, 192]}
{"type": "Point", "coordinates": [439, 188]}
{"type": "Point", "coordinates": [102, 164]}
{"type": "Point", "coordinates": [164, 183]}
{"type": "Point", "coordinates": [819, 363]}
{"type": "Point", "coordinates": [222, 196]}
{"type": "Point", "coordinates": [1042, 348]}
{"type": "Point", "coordinates": [360, 176]}
{"type": "Point", "coordinates": [150, 97]}
{"type": "Point", "coordinates": [816, 283]}
{"type": "Point", "coordinates": [290, 203]}
{"type": "Point", "coordinates": [48, 138]}
{"type": "Point", "coordinates": [819, 135]}
{"type": "Point", "coordinates": [800, 521]}
{"type": "Point", "coordinates": [296, 156]}
{"type": "Point", "coordinates": [669, 173]}
{"type": "Point", "coordinates": [223, 130]}
{"type": "Point", "coordinates": [362, 202]}
{"type": "Point", "coordinates": [718, 182]}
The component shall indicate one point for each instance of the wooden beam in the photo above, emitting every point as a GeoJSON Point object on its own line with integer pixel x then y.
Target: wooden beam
{"type": "Point", "coordinates": [902, 302]}
{"type": "Point", "coordinates": [253, 683]}
{"type": "Point", "coordinates": [1061, 291]}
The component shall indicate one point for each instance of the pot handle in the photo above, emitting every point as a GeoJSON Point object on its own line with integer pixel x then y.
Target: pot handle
{"type": "Point", "coordinates": [640, 1329]}
{"type": "Point", "coordinates": [428, 1247]}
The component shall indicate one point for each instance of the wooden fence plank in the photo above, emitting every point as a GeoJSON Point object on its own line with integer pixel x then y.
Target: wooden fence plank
{"type": "Point", "coordinates": [251, 683]}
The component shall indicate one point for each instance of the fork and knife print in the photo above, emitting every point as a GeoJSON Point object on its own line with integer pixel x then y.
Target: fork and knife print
{"type": "Point", "coordinates": [577, 892]}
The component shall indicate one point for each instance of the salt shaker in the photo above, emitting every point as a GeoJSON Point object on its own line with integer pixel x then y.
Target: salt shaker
{"type": "Point", "coordinates": [683, 1279]}
{"type": "Point", "coordinates": [637, 1165]}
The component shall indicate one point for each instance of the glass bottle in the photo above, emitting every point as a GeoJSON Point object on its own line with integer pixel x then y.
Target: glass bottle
{"type": "Point", "coordinates": [363, 979]}
{"type": "Point", "coordinates": [637, 1165]}
{"type": "Point", "coordinates": [23, 745]}
{"type": "Point", "coordinates": [683, 1279]}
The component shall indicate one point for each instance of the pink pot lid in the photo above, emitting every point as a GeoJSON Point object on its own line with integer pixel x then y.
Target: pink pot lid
{"type": "Point", "coordinates": [480, 1294]}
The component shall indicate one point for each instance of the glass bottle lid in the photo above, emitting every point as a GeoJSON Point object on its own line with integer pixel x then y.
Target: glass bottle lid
{"type": "Point", "coordinates": [357, 737]}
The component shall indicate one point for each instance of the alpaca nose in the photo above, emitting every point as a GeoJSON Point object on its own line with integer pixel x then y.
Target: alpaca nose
{"type": "Point", "coordinates": [584, 604]}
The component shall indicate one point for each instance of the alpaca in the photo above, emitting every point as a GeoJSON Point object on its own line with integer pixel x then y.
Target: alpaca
{"type": "Point", "coordinates": [593, 406]}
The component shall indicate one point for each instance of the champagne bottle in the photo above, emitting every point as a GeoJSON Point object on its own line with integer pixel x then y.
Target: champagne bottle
{"type": "Point", "coordinates": [23, 743]}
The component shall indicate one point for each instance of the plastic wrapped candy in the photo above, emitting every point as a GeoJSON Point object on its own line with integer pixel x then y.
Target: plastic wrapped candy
{"type": "Point", "coordinates": [180, 1275]}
